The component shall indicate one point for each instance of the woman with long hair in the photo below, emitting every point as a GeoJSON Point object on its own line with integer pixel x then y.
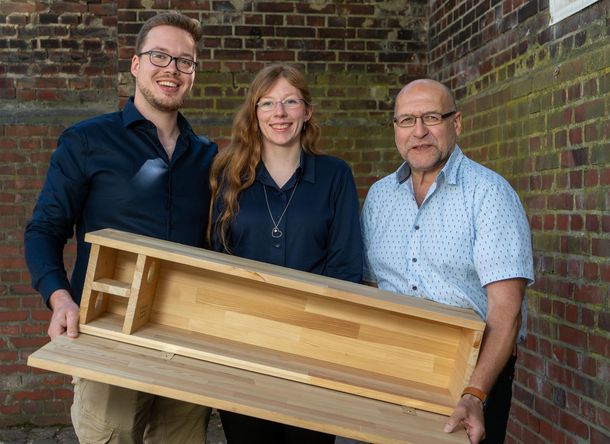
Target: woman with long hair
{"type": "Point", "coordinates": [277, 199]}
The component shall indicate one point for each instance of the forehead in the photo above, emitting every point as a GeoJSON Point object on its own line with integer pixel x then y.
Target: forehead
{"type": "Point", "coordinates": [170, 39]}
{"type": "Point", "coordinates": [282, 88]}
{"type": "Point", "coordinates": [422, 98]}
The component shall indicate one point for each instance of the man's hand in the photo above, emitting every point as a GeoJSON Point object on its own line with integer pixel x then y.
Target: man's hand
{"type": "Point", "coordinates": [468, 413]}
{"type": "Point", "coordinates": [65, 315]}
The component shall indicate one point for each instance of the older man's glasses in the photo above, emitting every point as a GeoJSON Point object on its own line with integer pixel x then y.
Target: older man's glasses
{"type": "Point", "coordinates": [161, 59]}
{"type": "Point", "coordinates": [269, 105]}
{"type": "Point", "coordinates": [428, 119]}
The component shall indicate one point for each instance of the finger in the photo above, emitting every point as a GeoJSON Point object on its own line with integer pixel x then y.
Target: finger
{"type": "Point", "coordinates": [55, 328]}
{"type": "Point", "coordinates": [72, 323]}
{"type": "Point", "coordinates": [452, 423]}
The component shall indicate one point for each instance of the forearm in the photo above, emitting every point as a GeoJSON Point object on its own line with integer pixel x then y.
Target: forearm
{"type": "Point", "coordinates": [502, 325]}
{"type": "Point", "coordinates": [496, 349]}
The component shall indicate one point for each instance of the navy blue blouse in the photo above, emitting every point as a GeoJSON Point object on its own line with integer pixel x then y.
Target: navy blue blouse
{"type": "Point", "coordinates": [320, 228]}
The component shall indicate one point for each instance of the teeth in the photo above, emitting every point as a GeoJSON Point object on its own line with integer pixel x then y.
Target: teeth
{"type": "Point", "coordinates": [281, 126]}
{"type": "Point", "coordinates": [168, 84]}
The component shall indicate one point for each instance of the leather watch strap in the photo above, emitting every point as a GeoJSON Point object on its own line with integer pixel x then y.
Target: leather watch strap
{"type": "Point", "coordinates": [480, 394]}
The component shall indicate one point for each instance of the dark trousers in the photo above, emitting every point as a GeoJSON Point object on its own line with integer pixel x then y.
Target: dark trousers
{"type": "Point", "coordinates": [241, 429]}
{"type": "Point", "coordinates": [498, 405]}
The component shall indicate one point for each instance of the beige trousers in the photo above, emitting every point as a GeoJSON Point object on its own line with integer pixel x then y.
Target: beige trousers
{"type": "Point", "coordinates": [103, 413]}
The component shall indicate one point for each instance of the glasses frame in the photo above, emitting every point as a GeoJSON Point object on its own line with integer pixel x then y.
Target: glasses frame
{"type": "Point", "coordinates": [421, 116]}
{"type": "Point", "coordinates": [171, 59]}
{"type": "Point", "coordinates": [276, 102]}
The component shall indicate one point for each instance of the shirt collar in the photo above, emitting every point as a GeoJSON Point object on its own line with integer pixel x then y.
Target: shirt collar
{"type": "Point", "coordinates": [449, 171]}
{"type": "Point", "coordinates": [306, 170]}
{"type": "Point", "coordinates": [131, 116]}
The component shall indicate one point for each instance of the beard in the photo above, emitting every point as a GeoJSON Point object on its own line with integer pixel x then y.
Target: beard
{"type": "Point", "coordinates": [168, 105]}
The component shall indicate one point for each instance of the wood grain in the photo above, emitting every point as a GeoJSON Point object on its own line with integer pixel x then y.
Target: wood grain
{"type": "Point", "coordinates": [280, 322]}
{"type": "Point", "coordinates": [245, 392]}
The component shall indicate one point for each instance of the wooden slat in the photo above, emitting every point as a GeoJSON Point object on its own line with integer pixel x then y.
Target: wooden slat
{"type": "Point", "coordinates": [142, 293]}
{"type": "Point", "coordinates": [112, 286]}
{"type": "Point", "coordinates": [254, 358]}
{"type": "Point", "coordinates": [284, 277]}
{"type": "Point", "coordinates": [242, 391]}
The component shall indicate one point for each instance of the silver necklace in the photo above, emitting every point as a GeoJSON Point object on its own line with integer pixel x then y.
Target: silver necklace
{"type": "Point", "coordinates": [275, 231]}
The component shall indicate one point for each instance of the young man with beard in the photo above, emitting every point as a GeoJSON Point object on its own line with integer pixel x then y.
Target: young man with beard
{"type": "Point", "coordinates": [141, 170]}
{"type": "Point", "coordinates": [445, 228]}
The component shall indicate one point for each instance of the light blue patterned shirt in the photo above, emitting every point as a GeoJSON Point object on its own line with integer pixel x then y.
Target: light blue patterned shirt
{"type": "Point", "coordinates": [470, 230]}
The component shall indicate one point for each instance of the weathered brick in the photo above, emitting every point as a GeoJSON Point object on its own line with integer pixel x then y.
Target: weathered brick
{"type": "Point", "coordinates": [525, 84]}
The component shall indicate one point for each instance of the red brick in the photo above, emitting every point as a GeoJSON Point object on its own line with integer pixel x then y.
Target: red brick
{"type": "Point", "coordinates": [591, 271]}
{"type": "Point", "coordinates": [598, 344]}
{"type": "Point", "coordinates": [13, 316]}
{"type": "Point", "coordinates": [572, 336]}
{"type": "Point", "coordinates": [6, 356]}
{"type": "Point", "coordinates": [599, 436]}
{"type": "Point", "coordinates": [37, 395]}
{"type": "Point", "coordinates": [587, 317]}
{"type": "Point", "coordinates": [29, 342]}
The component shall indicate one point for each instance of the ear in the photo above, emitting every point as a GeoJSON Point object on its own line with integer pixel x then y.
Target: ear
{"type": "Point", "coordinates": [457, 123]}
{"type": "Point", "coordinates": [308, 112]}
{"type": "Point", "coordinates": [135, 65]}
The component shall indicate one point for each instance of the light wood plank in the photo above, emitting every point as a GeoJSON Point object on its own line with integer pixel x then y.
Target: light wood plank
{"type": "Point", "coordinates": [283, 277]}
{"type": "Point", "coordinates": [142, 293]}
{"type": "Point", "coordinates": [399, 390]}
{"type": "Point", "coordinates": [245, 392]}
{"type": "Point", "coordinates": [112, 286]}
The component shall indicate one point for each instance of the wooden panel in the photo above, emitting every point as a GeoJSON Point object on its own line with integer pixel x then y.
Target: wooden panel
{"type": "Point", "coordinates": [101, 265]}
{"type": "Point", "coordinates": [285, 323]}
{"type": "Point", "coordinates": [284, 365]}
{"type": "Point", "coordinates": [142, 293]}
{"type": "Point", "coordinates": [242, 391]}
{"type": "Point", "coordinates": [284, 277]}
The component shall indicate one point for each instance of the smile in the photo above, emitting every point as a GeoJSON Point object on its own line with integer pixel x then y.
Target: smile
{"type": "Point", "coordinates": [167, 83]}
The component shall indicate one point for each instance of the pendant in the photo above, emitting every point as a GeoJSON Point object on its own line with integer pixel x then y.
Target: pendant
{"type": "Point", "coordinates": [276, 232]}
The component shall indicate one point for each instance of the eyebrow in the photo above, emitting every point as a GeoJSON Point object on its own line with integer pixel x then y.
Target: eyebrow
{"type": "Point", "coordinates": [289, 96]}
{"type": "Point", "coordinates": [166, 50]}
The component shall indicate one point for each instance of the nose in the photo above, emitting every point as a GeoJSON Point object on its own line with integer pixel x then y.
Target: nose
{"type": "Point", "coordinates": [172, 67]}
{"type": "Point", "coordinates": [280, 110]}
{"type": "Point", "coordinates": [420, 129]}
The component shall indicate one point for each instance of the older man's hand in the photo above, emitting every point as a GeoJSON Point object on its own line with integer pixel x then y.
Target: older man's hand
{"type": "Point", "coordinates": [469, 414]}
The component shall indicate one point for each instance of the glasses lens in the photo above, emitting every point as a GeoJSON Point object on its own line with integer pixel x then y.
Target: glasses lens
{"type": "Point", "coordinates": [291, 103]}
{"type": "Point", "coordinates": [432, 119]}
{"type": "Point", "coordinates": [267, 105]}
{"type": "Point", "coordinates": [159, 58]}
{"type": "Point", "coordinates": [185, 65]}
{"type": "Point", "coordinates": [405, 121]}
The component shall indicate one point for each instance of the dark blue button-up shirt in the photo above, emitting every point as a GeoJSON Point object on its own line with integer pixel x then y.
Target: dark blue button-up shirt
{"type": "Point", "coordinates": [111, 171]}
{"type": "Point", "coordinates": [320, 227]}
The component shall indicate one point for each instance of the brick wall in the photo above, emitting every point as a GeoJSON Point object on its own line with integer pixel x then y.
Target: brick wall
{"type": "Point", "coordinates": [536, 101]}
{"type": "Point", "coordinates": [62, 61]}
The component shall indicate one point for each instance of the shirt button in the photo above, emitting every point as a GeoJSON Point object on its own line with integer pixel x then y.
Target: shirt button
{"type": "Point", "coordinates": [416, 227]}
{"type": "Point", "coordinates": [414, 259]}
{"type": "Point", "coordinates": [414, 288]}
{"type": "Point", "coordinates": [276, 245]}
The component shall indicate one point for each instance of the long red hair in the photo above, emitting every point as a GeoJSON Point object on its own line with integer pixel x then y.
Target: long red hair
{"type": "Point", "coordinates": [234, 168]}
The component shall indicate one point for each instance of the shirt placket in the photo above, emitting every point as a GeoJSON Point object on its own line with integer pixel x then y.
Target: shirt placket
{"type": "Point", "coordinates": [278, 202]}
{"type": "Point", "coordinates": [413, 251]}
